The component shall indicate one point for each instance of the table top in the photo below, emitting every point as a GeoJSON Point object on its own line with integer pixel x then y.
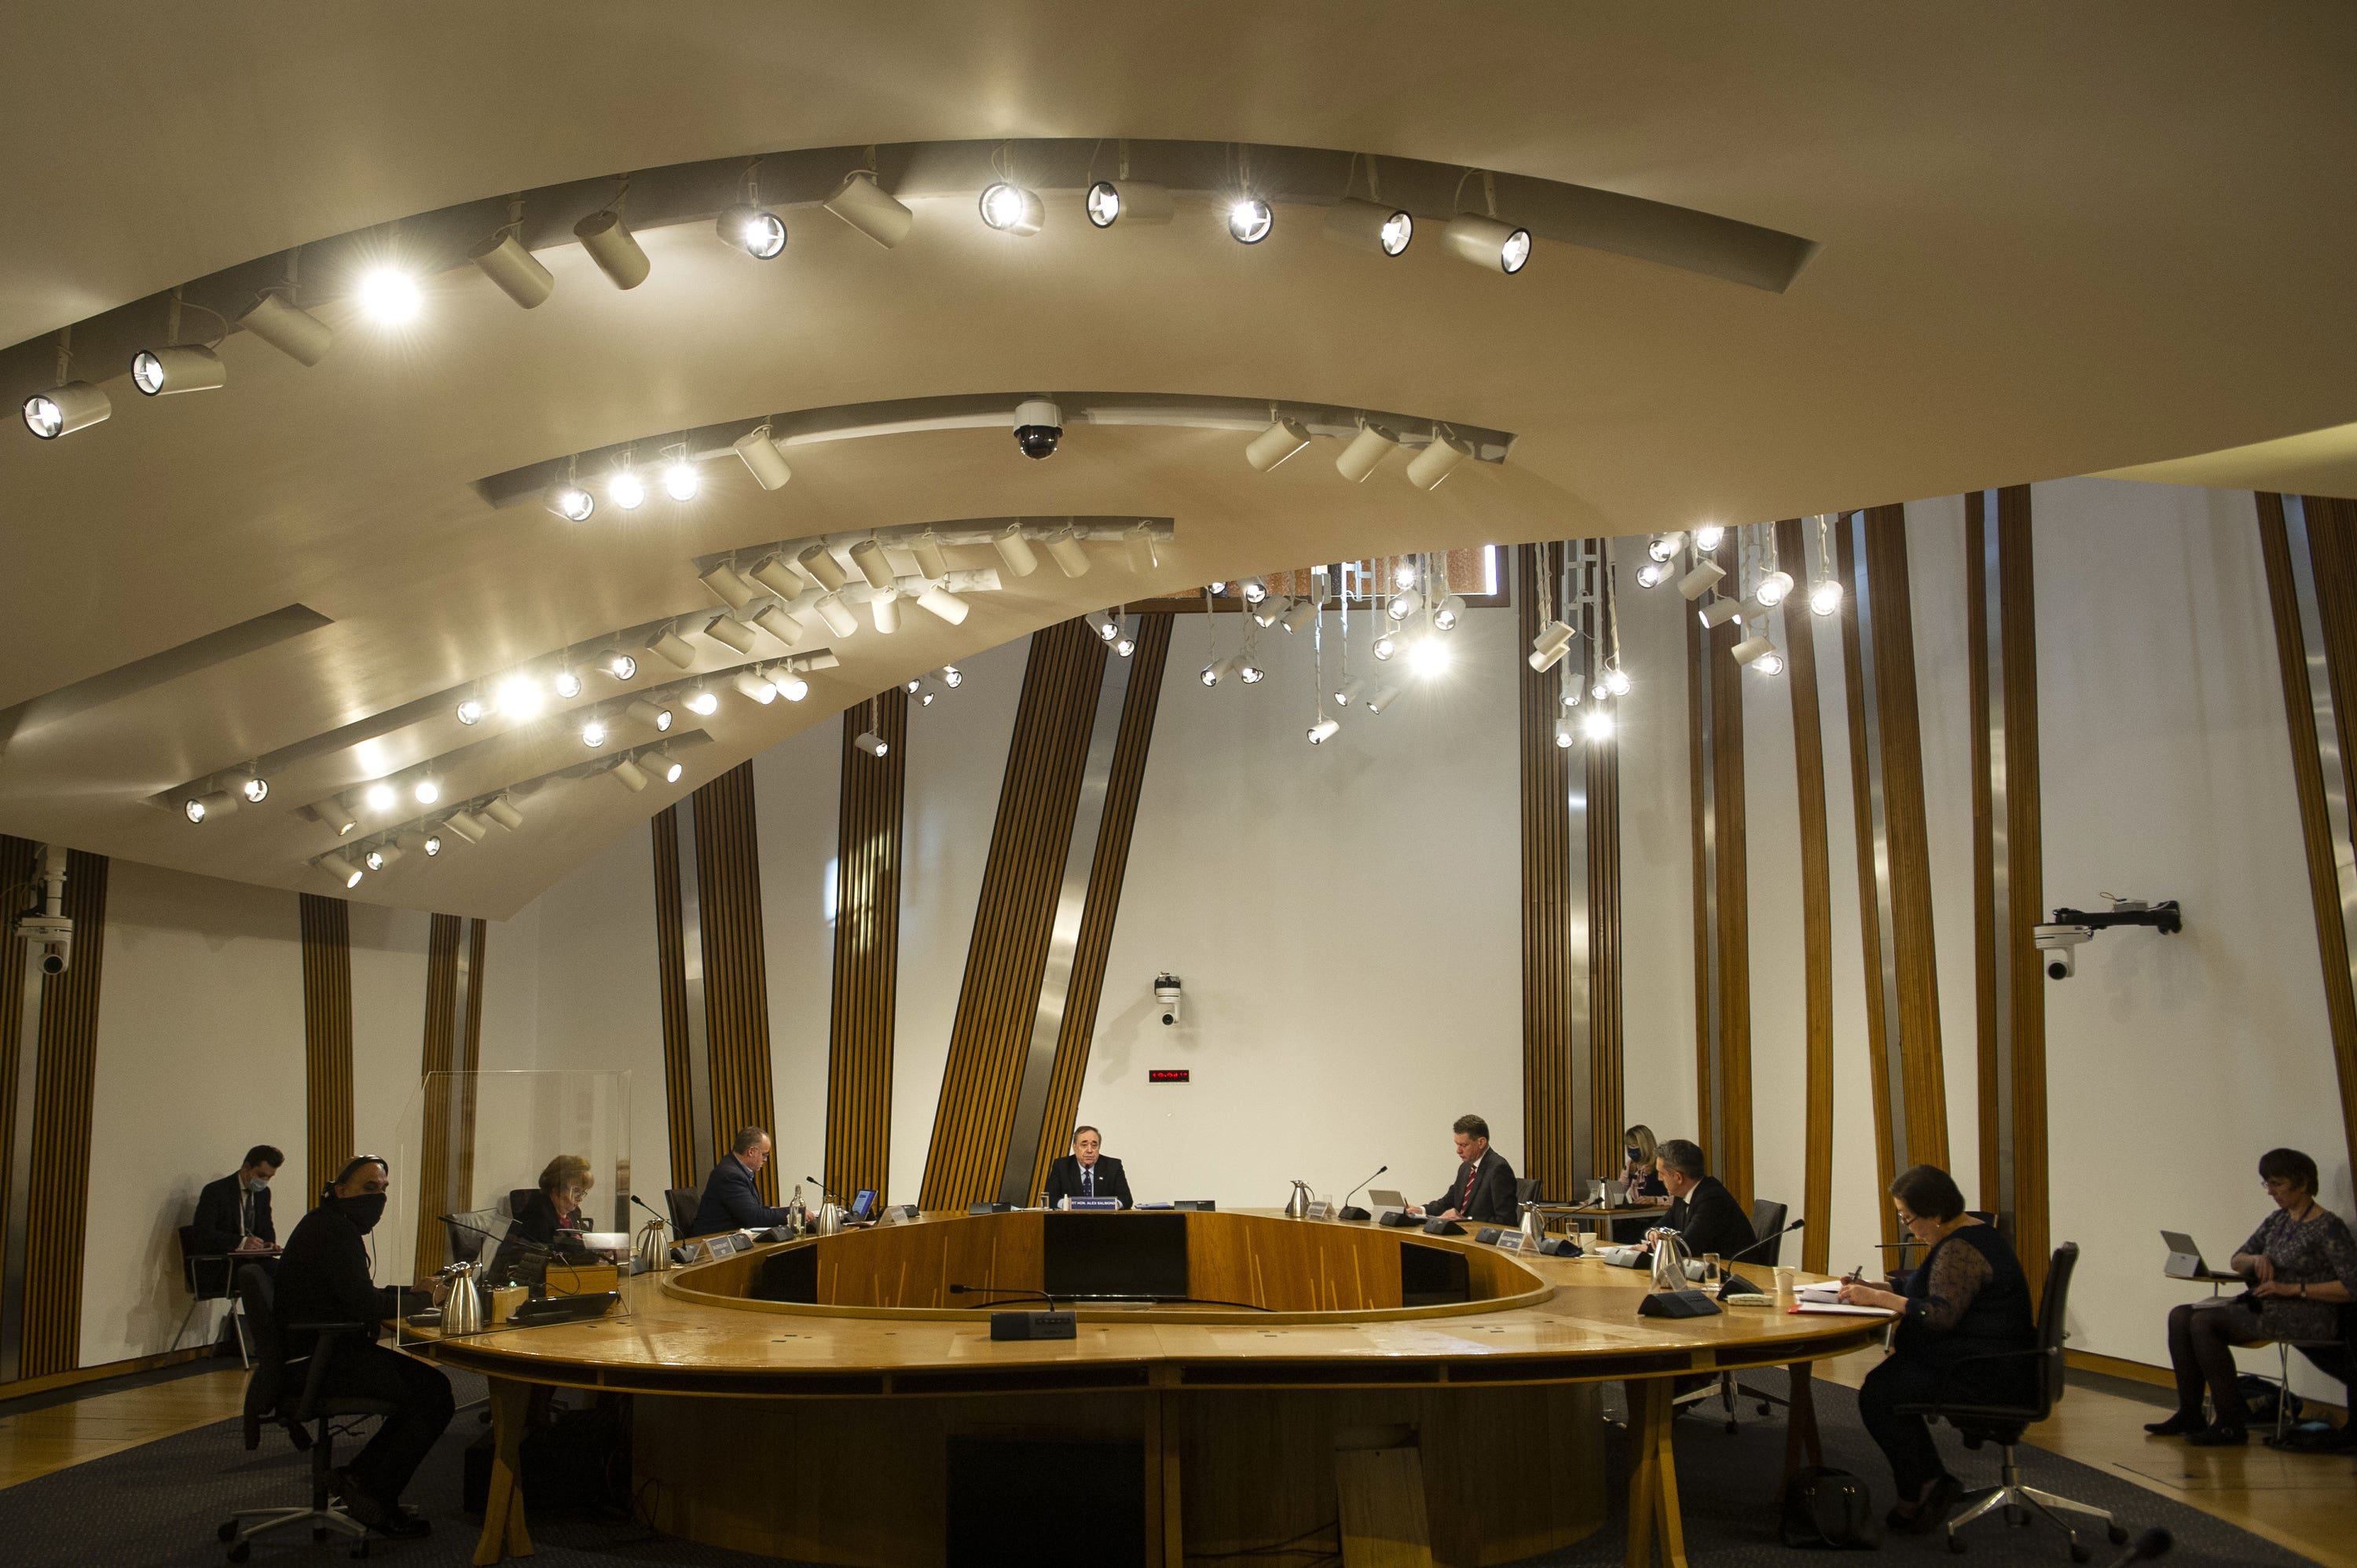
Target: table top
{"type": "Point", "coordinates": [1577, 1323]}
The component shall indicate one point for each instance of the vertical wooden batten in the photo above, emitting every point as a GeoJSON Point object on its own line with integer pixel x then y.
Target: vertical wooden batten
{"type": "Point", "coordinates": [1816, 904]}
{"type": "Point", "coordinates": [736, 970]}
{"type": "Point", "coordinates": [1550, 972]}
{"type": "Point", "coordinates": [326, 932]}
{"type": "Point", "coordinates": [1722, 893]}
{"type": "Point", "coordinates": [438, 1059]}
{"type": "Point", "coordinates": [867, 948]}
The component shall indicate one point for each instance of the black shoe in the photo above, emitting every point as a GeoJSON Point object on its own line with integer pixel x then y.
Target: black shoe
{"type": "Point", "coordinates": [2176, 1425]}
{"type": "Point", "coordinates": [402, 1524]}
{"type": "Point", "coordinates": [356, 1500]}
{"type": "Point", "coordinates": [2218, 1436]}
{"type": "Point", "coordinates": [1934, 1511]}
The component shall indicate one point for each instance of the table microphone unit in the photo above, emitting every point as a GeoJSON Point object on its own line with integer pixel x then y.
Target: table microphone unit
{"type": "Point", "coordinates": [1350, 1213]}
{"type": "Point", "coordinates": [1735, 1284]}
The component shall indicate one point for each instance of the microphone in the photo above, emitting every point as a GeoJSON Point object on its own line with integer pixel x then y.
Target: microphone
{"type": "Point", "coordinates": [2154, 1542]}
{"type": "Point", "coordinates": [1350, 1213]}
{"type": "Point", "coordinates": [511, 1239]}
{"type": "Point", "coordinates": [651, 1209]}
{"type": "Point", "coordinates": [1735, 1284]}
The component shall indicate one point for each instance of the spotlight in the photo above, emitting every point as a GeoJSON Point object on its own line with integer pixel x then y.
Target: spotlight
{"type": "Point", "coordinates": [1599, 691]}
{"type": "Point", "coordinates": [256, 789]}
{"type": "Point", "coordinates": [566, 684]}
{"type": "Point", "coordinates": [1760, 654]}
{"type": "Point", "coordinates": [1719, 612]}
{"type": "Point", "coordinates": [1065, 549]}
{"type": "Point", "coordinates": [1825, 597]}
{"type": "Point", "coordinates": [1404, 604]}
{"type": "Point", "coordinates": [1383, 699]}
{"type": "Point", "coordinates": [871, 743]}
{"type": "Point", "coordinates": [1617, 682]}
{"type": "Point", "coordinates": [1706, 538]}
{"type": "Point", "coordinates": [1125, 645]}
{"type": "Point", "coordinates": [1267, 612]}
{"type": "Point", "coordinates": [1134, 200]}
{"type": "Point", "coordinates": [791, 686]}
{"type": "Point", "coordinates": [519, 273]}
{"type": "Point", "coordinates": [1437, 462]}
{"type": "Point", "coordinates": [1281, 440]}
{"type": "Point", "coordinates": [1015, 551]}
{"type": "Point", "coordinates": [943, 604]}
{"type": "Point", "coordinates": [952, 677]}
{"type": "Point", "coordinates": [1302, 615]}
{"type": "Point", "coordinates": [381, 796]}
{"type": "Point", "coordinates": [761, 455]}
{"type": "Point", "coordinates": [1570, 696]}
{"type": "Point", "coordinates": [1323, 731]}
{"type": "Point", "coordinates": [731, 632]}
{"type": "Point", "coordinates": [729, 586]}
{"type": "Point", "coordinates": [612, 246]}
{"type": "Point", "coordinates": [625, 489]}
{"type": "Point", "coordinates": [1369, 226]}
{"type": "Point", "coordinates": [432, 846]}
{"type": "Point", "coordinates": [755, 231]}
{"type": "Point", "coordinates": [672, 649]}
{"type": "Point", "coordinates": [1386, 644]}
{"type": "Point", "coordinates": [1250, 218]}
{"type": "Point", "coordinates": [297, 333]}
{"type": "Point", "coordinates": [1699, 581]}
{"type": "Point", "coordinates": [1251, 674]}
{"type": "Point", "coordinates": [500, 810]}
{"type": "Point", "coordinates": [62, 410]}
{"type": "Point", "coordinates": [1665, 546]}
{"type": "Point", "coordinates": [869, 556]}
{"type": "Point", "coordinates": [338, 813]}
{"type": "Point", "coordinates": [1103, 623]}
{"type": "Point", "coordinates": [1211, 673]}
{"type": "Point", "coordinates": [773, 619]}
{"type": "Point", "coordinates": [468, 826]}
{"type": "Point", "coordinates": [672, 770]}
{"type": "Point", "coordinates": [822, 568]}
{"type": "Point", "coordinates": [1365, 453]}
{"type": "Point", "coordinates": [680, 479]}
{"type": "Point", "coordinates": [157, 372]}
{"type": "Point", "coordinates": [754, 686]}
{"type": "Point", "coordinates": [930, 560]}
{"type": "Point", "coordinates": [628, 774]}
{"type": "Point", "coordinates": [519, 697]}
{"type": "Point", "coordinates": [860, 203]}
{"type": "Point", "coordinates": [1011, 209]}
{"type": "Point", "coordinates": [701, 703]}
{"type": "Point", "coordinates": [426, 792]}
{"type": "Point", "coordinates": [336, 867]}
{"type": "Point", "coordinates": [837, 614]}
{"type": "Point", "coordinates": [620, 666]}
{"type": "Point", "coordinates": [1350, 692]}
{"type": "Point", "coordinates": [886, 610]}
{"type": "Point", "coordinates": [593, 731]}
{"type": "Point", "coordinates": [1598, 725]}
{"type": "Point", "coordinates": [380, 857]}
{"type": "Point", "coordinates": [1404, 574]}
{"type": "Point", "coordinates": [1550, 645]}
{"type": "Point", "coordinates": [390, 296]}
{"type": "Point", "coordinates": [218, 803]}
{"type": "Point", "coordinates": [569, 502]}
{"type": "Point", "coordinates": [1565, 733]}
{"type": "Point", "coordinates": [1774, 589]}
{"type": "Point", "coordinates": [774, 573]}
{"type": "Point", "coordinates": [1487, 244]}
{"type": "Point", "coordinates": [1447, 612]}
{"type": "Point", "coordinates": [1653, 573]}
{"type": "Point", "coordinates": [1255, 589]}
{"type": "Point", "coordinates": [1428, 657]}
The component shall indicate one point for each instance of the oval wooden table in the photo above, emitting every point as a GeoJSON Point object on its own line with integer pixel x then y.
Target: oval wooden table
{"type": "Point", "coordinates": [1307, 1384]}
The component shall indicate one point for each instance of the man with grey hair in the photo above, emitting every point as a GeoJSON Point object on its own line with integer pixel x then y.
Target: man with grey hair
{"type": "Point", "coordinates": [1702, 1212]}
{"type": "Point", "coordinates": [731, 1201]}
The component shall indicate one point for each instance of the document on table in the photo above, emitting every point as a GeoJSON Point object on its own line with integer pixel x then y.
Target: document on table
{"type": "Point", "coordinates": [1843, 1308]}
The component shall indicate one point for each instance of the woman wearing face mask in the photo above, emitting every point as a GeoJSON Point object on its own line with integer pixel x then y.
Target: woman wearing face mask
{"type": "Point", "coordinates": [1639, 1175]}
{"type": "Point", "coordinates": [325, 1277]}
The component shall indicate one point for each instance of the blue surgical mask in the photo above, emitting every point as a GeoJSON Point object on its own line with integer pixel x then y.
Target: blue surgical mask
{"type": "Point", "coordinates": [257, 1183]}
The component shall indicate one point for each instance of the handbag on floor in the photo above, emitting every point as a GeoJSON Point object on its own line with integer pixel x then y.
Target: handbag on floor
{"type": "Point", "coordinates": [1829, 1509]}
{"type": "Point", "coordinates": [2260, 1396]}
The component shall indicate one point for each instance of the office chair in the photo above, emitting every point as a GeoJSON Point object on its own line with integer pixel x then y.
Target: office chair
{"type": "Point", "coordinates": [272, 1393]}
{"type": "Point", "coordinates": [1526, 1189]}
{"type": "Point", "coordinates": [1766, 1221]}
{"type": "Point", "coordinates": [466, 1235]}
{"type": "Point", "coordinates": [682, 1202]}
{"type": "Point", "coordinates": [2003, 1425]}
{"type": "Point", "coordinates": [207, 1276]}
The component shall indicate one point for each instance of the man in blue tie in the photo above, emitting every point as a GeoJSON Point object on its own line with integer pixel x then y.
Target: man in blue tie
{"type": "Point", "coordinates": [1086, 1173]}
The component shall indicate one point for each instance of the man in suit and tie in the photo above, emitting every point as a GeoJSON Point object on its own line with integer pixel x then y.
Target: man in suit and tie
{"type": "Point", "coordinates": [233, 1217]}
{"type": "Point", "coordinates": [730, 1200]}
{"type": "Point", "coordinates": [1085, 1173]}
{"type": "Point", "coordinates": [1702, 1212]}
{"type": "Point", "coordinates": [1484, 1188]}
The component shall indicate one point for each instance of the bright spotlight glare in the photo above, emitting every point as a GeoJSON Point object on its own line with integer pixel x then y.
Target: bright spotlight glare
{"type": "Point", "coordinates": [702, 704]}
{"type": "Point", "coordinates": [433, 845]}
{"type": "Point", "coordinates": [1825, 597]}
{"type": "Point", "coordinates": [1653, 573]}
{"type": "Point", "coordinates": [470, 710]}
{"type": "Point", "coordinates": [427, 791]}
{"type": "Point", "coordinates": [621, 667]}
{"type": "Point", "coordinates": [593, 732]}
{"type": "Point", "coordinates": [1251, 674]}
{"type": "Point", "coordinates": [672, 773]}
{"type": "Point", "coordinates": [389, 295]}
{"type": "Point", "coordinates": [1386, 645]}
{"type": "Point", "coordinates": [519, 697]}
{"type": "Point", "coordinates": [1706, 538]}
{"type": "Point", "coordinates": [381, 796]}
{"type": "Point", "coordinates": [1774, 588]}
{"type": "Point", "coordinates": [680, 481]}
{"type": "Point", "coordinates": [1617, 681]}
{"type": "Point", "coordinates": [625, 489]}
{"type": "Point", "coordinates": [1429, 658]}
{"type": "Point", "coordinates": [1011, 209]}
{"type": "Point", "coordinates": [1250, 218]}
{"type": "Point", "coordinates": [567, 685]}
{"type": "Point", "coordinates": [1599, 723]}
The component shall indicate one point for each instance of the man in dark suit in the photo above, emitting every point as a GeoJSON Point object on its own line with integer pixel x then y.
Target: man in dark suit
{"type": "Point", "coordinates": [1484, 1188]}
{"type": "Point", "coordinates": [1702, 1212]}
{"type": "Point", "coordinates": [730, 1200]}
{"type": "Point", "coordinates": [233, 1216]}
{"type": "Point", "coordinates": [1085, 1173]}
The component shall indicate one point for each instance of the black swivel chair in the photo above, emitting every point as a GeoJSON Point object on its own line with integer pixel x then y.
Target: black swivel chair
{"type": "Point", "coordinates": [1767, 1222]}
{"type": "Point", "coordinates": [2003, 1423]}
{"type": "Point", "coordinates": [207, 1276]}
{"type": "Point", "coordinates": [681, 1202]}
{"type": "Point", "coordinates": [288, 1392]}
{"type": "Point", "coordinates": [1526, 1189]}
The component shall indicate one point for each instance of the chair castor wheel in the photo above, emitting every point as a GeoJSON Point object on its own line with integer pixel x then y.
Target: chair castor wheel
{"type": "Point", "coordinates": [227, 1532]}
{"type": "Point", "coordinates": [2117, 1532]}
{"type": "Point", "coordinates": [240, 1551]}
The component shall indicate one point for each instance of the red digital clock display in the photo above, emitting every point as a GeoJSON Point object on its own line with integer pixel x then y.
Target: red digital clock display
{"type": "Point", "coordinates": [1168, 1074]}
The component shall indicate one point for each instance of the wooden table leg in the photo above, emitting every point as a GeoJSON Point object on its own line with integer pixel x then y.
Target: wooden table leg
{"type": "Point", "coordinates": [1801, 1443]}
{"type": "Point", "coordinates": [1652, 1477]}
{"type": "Point", "coordinates": [505, 1534]}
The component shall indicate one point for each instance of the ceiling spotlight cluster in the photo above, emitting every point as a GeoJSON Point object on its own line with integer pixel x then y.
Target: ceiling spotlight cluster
{"type": "Point", "coordinates": [1761, 586]}
{"type": "Point", "coordinates": [1577, 605]}
{"type": "Point", "coordinates": [1437, 458]}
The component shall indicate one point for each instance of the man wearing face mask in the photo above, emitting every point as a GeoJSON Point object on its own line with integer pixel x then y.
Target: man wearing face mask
{"type": "Point", "coordinates": [325, 1277]}
{"type": "Point", "coordinates": [233, 1217]}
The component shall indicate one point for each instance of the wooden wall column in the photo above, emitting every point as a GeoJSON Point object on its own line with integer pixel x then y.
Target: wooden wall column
{"type": "Point", "coordinates": [1902, 992]}
{"type": "Point", "coordinates": [736, 970]}
{"type": "Point", "coordinates": [326, 928]}
{"type": "Point", "coordinates": [867, 948]}
{"type": "Point", "coordinates": [1722, 893]}
{"type": "Point", "coordinates": [2008, 868]}
{"type": "Point", "coordinates": [446, 1067]}
{"type": "Point", "coordinates": [1816, 905]}
{"type": "Point", "coordinates": [2310, 545]}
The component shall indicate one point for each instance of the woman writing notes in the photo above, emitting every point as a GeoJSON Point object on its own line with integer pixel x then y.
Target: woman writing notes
{"type": "Point", "coordinates": [1968, 1298]}
{"type": "Point", "coordinates": [2302, 1265]}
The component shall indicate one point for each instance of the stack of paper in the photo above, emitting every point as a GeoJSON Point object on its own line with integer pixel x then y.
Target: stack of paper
{"type": "Point", "coordinates": [1826, 1297]}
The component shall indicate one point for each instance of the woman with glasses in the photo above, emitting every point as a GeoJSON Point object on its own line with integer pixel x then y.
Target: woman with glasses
{"type": "Point", "coordinates": [1968, 1298]}
{"type": "Point", "coordinates": [2302, 1265]}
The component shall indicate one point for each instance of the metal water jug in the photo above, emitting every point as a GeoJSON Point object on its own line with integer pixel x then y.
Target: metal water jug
{"type": "Point", "coordinates": [830, 1220]}
{"type": "Point", "coordinates": [462, 1309]}
{"type": "Point", "coordinates": [1670, 1260]}
{"type": "Point", "coordinates": [1297, 1206]}
{"type": "Point", "coordinates": [653, 1249]}
{"type": "Point", "coordinates": [1533, 1227]}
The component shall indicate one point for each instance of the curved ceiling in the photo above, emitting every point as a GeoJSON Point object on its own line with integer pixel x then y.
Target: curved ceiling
{"type": "Point", "coordinates": [2051, 242]}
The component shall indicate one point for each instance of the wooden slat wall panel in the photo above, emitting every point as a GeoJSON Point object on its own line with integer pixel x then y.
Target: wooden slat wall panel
{"type": "Point", "coordinates": [736, 986]}
{"type": "Point", "coordinates": [2024, 850]}
{"type": "Point", "coordinates": [326, 928]}
{"type": "Point", "coordinates": [671, 970]}
{"type": "Point", "coordinates": [1606, 1076]}
{"type": "Point", "coordinates": [999, 995]}
{"type": "Point", "coordinates": [1869, 919]}
{"type": "Point", "coordinates": [1698, 868]}
{"type": "Point", "coordinates": [469, 1062]}
{"type": "Point", "coordinates": [1986, 1074]}
{"type": "Point", "coordinates": [867, 948]}
{"type": "Point", "coordinates": [432, 1178]}
{"type": "Point", "coordinates": [1108, 868]}
{"type": "Point", "coordinates": [1548, 982]}
{"type": "Point", "coordinates": [1816, 911]}
{"type": "Point", "coordinates": [1723, 1095]}
{"type": "Point", "coordinates": [19, 859]}
{"type": "Point", "coordinates": [58, 1202]}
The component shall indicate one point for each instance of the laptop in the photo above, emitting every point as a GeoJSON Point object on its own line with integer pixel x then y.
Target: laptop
{"type": "Point", "coordinates": [1384, 1197]}
{"type": "Point", "coordinates": [2185, 1260]}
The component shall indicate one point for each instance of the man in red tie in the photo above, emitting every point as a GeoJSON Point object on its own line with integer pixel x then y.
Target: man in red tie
{"type": "Point", "coordinates": [1483, 1191]}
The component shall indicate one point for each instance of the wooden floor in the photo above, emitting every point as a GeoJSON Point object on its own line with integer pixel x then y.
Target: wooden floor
{"type": "Point", "coordinates": [2306, 1503]}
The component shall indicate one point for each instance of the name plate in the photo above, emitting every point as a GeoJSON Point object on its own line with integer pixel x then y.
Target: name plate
{"type": "Point", "coordinates": [1092, 1203]}
{"type": "Point", "coordinates": [1509, 1240]}
{"type": "Point", "coordinates": [1319, 1211]}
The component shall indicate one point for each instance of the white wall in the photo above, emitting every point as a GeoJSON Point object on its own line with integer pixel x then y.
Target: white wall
{"type": "Point", "coordinates": [797, 789]}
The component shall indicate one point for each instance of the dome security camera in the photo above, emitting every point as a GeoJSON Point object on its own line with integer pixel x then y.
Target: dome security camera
{"type": "Point", "coordinates": [1039, 426]}
{"type": "Point", "coordinates": [1166, 996]}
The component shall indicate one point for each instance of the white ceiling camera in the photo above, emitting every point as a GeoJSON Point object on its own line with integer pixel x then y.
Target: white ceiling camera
{"type": "Point", "coordinates": [2061, 944]}
{"type": "Point", "coordinates": [2063, 936]}
{"type": "Point", "coordinates": [1165, 994]}
{"type": "Point", "coordinates": [1039, 426]}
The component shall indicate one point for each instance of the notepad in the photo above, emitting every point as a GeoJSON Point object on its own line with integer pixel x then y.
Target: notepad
{"type": "Point", "coordinates": [1842, 1309]}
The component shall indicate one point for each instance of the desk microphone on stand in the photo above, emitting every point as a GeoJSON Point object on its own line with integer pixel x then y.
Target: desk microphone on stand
{"type": "Point", "coordinates": [1350, 1213]}
{"type": "Point", "coordinates": [1735, 1284]}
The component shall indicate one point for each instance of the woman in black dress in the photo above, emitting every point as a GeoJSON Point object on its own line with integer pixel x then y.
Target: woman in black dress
{"type": "Point", "coordinates": [2302, 1265]}
{"type": "Point", "coordinates": [1969, 1297]}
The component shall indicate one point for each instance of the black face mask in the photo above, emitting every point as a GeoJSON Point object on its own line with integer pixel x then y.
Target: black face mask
{"type": "Point", "coordinates": [1632, 1156]}
{"type": "Point", "coordinates": [363, 1210]}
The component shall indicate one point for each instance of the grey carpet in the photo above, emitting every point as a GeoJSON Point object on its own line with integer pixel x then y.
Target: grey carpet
{"type": "Point", "coordinates": [158, 1504]}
